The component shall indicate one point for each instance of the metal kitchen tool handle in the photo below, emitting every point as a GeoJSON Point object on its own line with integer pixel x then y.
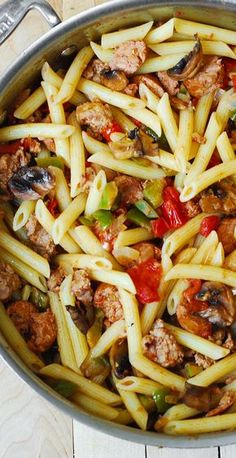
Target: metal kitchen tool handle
{"type": "Point", "coordinates": [13, 11]}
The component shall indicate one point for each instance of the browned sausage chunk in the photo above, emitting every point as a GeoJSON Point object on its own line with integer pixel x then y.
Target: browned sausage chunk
{"type": "Point", "coordinates": [129, 56]}
{"type": "Point", "coordinates": [9, 164]}
{"type": "Point", "coordinates": [9, 281]}
{"type": "Point", "coordinates": [106, 298]}
{"type": "Point", "coordinates": [81, 287]}
{"type": "Point", "coordinates": [41, 241]}
{"type": "Point", "coordinates": [95, 115]}
{"type": "Point", "coordinates": [225, 233]}
{"type": "Point", "coordinates": [170, 85]}
{"type": "Point", "coordinates": [208, 79]}
{"type": "Point", "coordinates": [130, 189]}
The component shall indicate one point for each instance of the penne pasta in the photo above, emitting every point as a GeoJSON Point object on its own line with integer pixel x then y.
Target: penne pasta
{"type": "Point", "coordinates": [127, 166]}
{"type": "Point", "coordinates": [114, 39]}
{"type": "Point", "coordinates": [166, 160]}
{"type": "Point", "coordinates": [215, 48]}
{"type": "Point", "coordinates": [134, 407]}
{"type": "Point", "coordinates": [84, 385]}
{"type": "Point", "coordinates": [201, 425]}
{"type": "Point", "coordinates": [114, 277]}
{"type": "Point", "coordinates": [65, 220]}
{"type": "Point", "coordinates": [95, 407]}
{"type": "Point", "coordinates": [201, 116]}
{"type": "Point", "coordinates": [184, 139]}
{"type": "Point", "coordinates": [105, 94]}
{"type": "Point", "coordinates": [151, 100]}
{"type": "Point", "coordinates": [168, 122]}
{"type": "Point", "coordinates": [208, 32]}
{"type": "Point", "coordinates": [73, 75]}
{"type": "Point", "coordinates": [23, 213]}
{"type": "Point", "coordinates": [77, 157]}
{"type": "Point", "coordinates": [95, 193]}
{"type": "Point", "coordinates": [17, 343]}
{"type": "Point", "coordinates": [108, 338]}
{"type": "Point", "coordinates": [41, 130]}
{"type": "Point", "coordinates": [138, 385]}
{"type": "Point", "coordinates": [146, 117]}
{"type": "Point", "coordinates": [178, 412]}
{"type": "Point", "coordinates": [125, 122]}
{"type": "Point", "coordinates": [161, 33]}
{"type": "Point", "coordinates": [160, 63]}
{"type": "Point", "coordinates": [206, 179]}
{"type": "Point", "coordinates": [224, 147]}
{"type": "Point", "coordinates": [132, 236]}
{"type": "Point", "coordinates": [105, 55]}
{"type": "Point", "coordinates": [94, 146]}
{"type": "Point", "coordinates": [65, 294]}
{"type": "Point", "coordinates": [24, 254]}
{"type": "Point", "coordinates": [203, 272]}
{"type": "Point", "coordinates": [31, 104]}
{"type": "Point", "coordinates": [84, 261]}
{"type": "Point", "coordinates": [62, 192]}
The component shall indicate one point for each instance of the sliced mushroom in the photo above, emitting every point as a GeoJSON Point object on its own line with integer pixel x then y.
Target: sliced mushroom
{"type": "Point", "coordinates": [189, 65]}
{"type": "Point", "coordinates": [202, 399]}
{"type": "Point", "coordinates": [114, 79]}
{"type": "Point", "coordinates": [220, 298]}
{"type": "Point", "coordinates": [119, 359]}
{"type": "Point", "coordinates": [127, 147]}
{"type": "Point", "coordinates": [31, 183]}
{"type": "Point", "coordinates": [82, 316]}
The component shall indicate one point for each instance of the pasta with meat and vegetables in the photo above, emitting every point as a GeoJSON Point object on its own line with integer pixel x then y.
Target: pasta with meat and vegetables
{"type": "Point", "coordinates": [118, 228]}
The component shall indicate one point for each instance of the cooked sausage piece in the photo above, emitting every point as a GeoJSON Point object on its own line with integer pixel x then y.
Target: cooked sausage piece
{"type": "Point", "coordinates": [95, 115]}
{"type": "Point", "coordinates": [130, 189]}
{"type": "Point", "coordinates": [162, 347]}
{"type": "Point", "coordinates": [101, 73]}
{"type": "Point", "coordinates": [146, 251]}
{"type": "Point", "coordinates": [170, 85]}
{"type": "Point", "coordinates": [208, 79]}
{"type": "Point", "coordinates": [106, 298]}
{"type": "Point", "coordinates": [39, 329]}
{"type": "Point", "coordinates": [9, 164]}
{"type": "Point", "coordinates": [41, 241]}
{"type": "Point", "coordinates": [220, 198]}
{"type": "Point", "coordinates": [129, 56]}
{"type": "Point", "coordinates": [9, 281]}
{"type": "Point", "coordinates": [151, 81]}
{"type": "Point", "coordinates": [227, 400]}
{"type": "Point", "coordinates": [56, 278]}
{"type": "Point", "coordinates": [81, 287]}
{"type": "Point", "coordinates": [225, 233]}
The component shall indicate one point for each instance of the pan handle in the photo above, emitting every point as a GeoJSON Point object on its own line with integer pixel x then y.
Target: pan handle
{"type": "Point", "coordinates": [13, 11]}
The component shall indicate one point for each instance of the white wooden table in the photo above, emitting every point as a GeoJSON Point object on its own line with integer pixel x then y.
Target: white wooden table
{"type": "Point", "coordinates": [30, 427]}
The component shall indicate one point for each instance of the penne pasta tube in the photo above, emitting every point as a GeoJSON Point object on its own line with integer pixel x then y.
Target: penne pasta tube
{"type": "Point", "coordinates": [95, 407]}
{"type": "Point", "coordinates": [62, 192]}
{"type": "Point", "coordinates": [114, 39]}
{"type": "Point", "coordinates": [225, 107]}
{"type": "Point", "coordinates": [202, 425]}
{"type": "Point", "coordinates": [57, 114]}
{"type": "Point", "coordinates": [161, 33]}
{"type": "Point", "coordinates": [215, 48]}
{"type": "Point", "coordinates": [108, 338]}
{"type": "Point", "coordinates": [208, 32]}
{"type": "Point", "coordinates": [118, 99]}
{"type": "Point", "coordinates": [25, 254]}
{"type": "Point", "coordinates": [201, 116]}
{"type": "Point", "coordinates": [94, 146]}
{"type": "Point", "coordinates": [66, 350]}
{"type": "Point", "coordinates": [85, 386]}
{"type": "Point", "coordinates": [203, 272]}
{"type": "Point", "coordinates": [166, 160]}
{"type": "Point", "coordinates": [24, 271]}
{"type": "Point", "coordinates": [230, 261]}
{"type": "Point", "coordinates": [90, 244]}
{"type": "Point", "coordinates": [134, 407]}
{"type": "Point", "coordinates": [182, 235]}
{"type": "Point", "coordinates": [17, 343]}
{"type": "Point", "coordinates": [224, 147]}
{"type": "Point", "coordinates": [65, 293]}
{"type": "Point", "coordinates": [105, 55]}
{"type": "Point", "coordinates": [160, 63]}
{"type": "Point", "coordinates": [23, 213]}
{"type": "Point", "coordinates": [206, 179]}
{"type": "Point", "coordinates": [138, 385]}
{"type": "Point", "coordinates": [146, 117]}
{"type": "Point", "coordinates": [73, 74]}
{"type": "Point", "coordinates": [205, 150]}
{"type": "Point", "coordinates": [31, 104]}
{"type": "Point", "coordinates": [177, 412]}
{"type": "Point", "coordinates": [46, 220]}
{"type": "Point", "coordinates": [196, 343]}
{"type": "Point", "coordinates": [125, 122]}
{"type": "Point", "coordinates": [127, 166]}
{"type": "Point", "coordinates": [53, 78]}
{"type": "Point", "coordinates": [184, 139]}
{"type": "Point", "coordinates": [151, 100]}
{"type": "Point", "coordinates": [218, 257]}
{"type": "Point", "coordinates": [124, 418]}
{"type": "Point", "coordinates": [77, 156]}
{"type": "Point", "coordinates": [132, 322]}
{"type": "Point", "coordinates": [158, 373]}
{"type": "Point", "coordinates": [83, 261]}
{"type": "Point", "coordinates": [168, 122]}
{"type": "Point", "coordinates": [40, 130]}
{"type": "Point", "coordinates": [68, 217]}
{"type": "Point", "coordinates": [215, 372]}
{"type": "Point", "coordinates": [132, 236]}
{"type": "Point", "coordinates": [114, 277]}
{"type": "Point", "coordinates": [95, 193]}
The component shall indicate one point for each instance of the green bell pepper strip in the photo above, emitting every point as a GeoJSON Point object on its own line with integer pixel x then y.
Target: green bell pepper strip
{"type": "Point", "coordinates": [47, 161]}
{"type": "Point", "coordinates": [104, 217]}
{"type": "Point", "coordinates": [191, 370]}
{"type": "Point", "coordinates": [137, 217]}
{"type": "Point", "coordinates": [109, 196]}
{"type": "Point", "coordinates": [146, 209]}
{"type": "Point", "coordinates": [86, 220]}
{"type": "Point", "coordinates": [39, 299]}
{"type": "Point", "coordinates": [162, 141]}
{"type": "Point", "coordinates": [64, 387]}
{"type": "Point", "coordinates": [153, 192]}
{"type": "Point", "coordinates": [159, 398]}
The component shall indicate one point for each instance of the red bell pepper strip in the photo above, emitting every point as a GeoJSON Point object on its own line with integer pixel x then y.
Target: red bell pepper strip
{"type": "Point", "coordinates": [208, 224]}
{"type": "Point", "coordinates": [10, 148]}
{"type": "Point", "coordinates": [53, 207]}
{"type": "Point", "coordinates": [233, 77]}
{"type": "Point", "coordinates": [173, 210]}
{"type": "Point", "coordinates": [111, 129]}
{"type": "Point", "coordinates": [159, 227]}
{"type": "Point", "coordinates": [146, 277]}
{"type": "Point", "coordinates": [215, 160]}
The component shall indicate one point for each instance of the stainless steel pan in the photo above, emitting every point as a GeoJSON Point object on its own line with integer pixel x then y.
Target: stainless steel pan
{"type": "Point", "coordinates": [78, 31]}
